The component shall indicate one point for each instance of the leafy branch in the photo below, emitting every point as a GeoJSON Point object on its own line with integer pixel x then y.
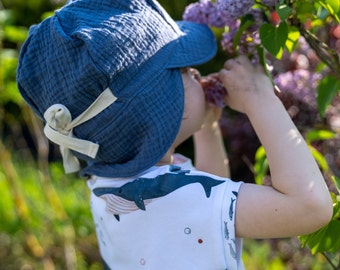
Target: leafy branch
{"type": "Point", "coordinates": [326, 54]}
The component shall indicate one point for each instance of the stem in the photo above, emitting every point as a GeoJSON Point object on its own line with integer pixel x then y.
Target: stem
{"type": "Point", "coordinates": [330, 261]}
{"type": "Point", "coordinates": [326, 54]}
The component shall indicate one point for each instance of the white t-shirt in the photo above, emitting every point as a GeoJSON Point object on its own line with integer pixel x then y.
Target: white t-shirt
{"type": "Point", "coordinates": [171, 217]}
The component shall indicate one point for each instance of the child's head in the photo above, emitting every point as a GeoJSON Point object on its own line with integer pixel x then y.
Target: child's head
{"type": "Point", "coordinates": [134, 51]}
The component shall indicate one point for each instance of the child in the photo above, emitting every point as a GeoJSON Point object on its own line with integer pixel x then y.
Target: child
{"type": "Point", "coordinates": [111, 80]}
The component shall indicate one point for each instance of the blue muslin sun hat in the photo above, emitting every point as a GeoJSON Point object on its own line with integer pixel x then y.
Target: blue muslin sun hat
{"type": "Point", "coordinates": [104, 76]}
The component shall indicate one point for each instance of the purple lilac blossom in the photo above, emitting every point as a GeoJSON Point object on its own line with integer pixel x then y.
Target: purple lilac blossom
{"type": "Point", "coordinates": [193, 13]}
{"type": "Point", "coordinates": [214, 90]}
{"type": "Point", "coordinates": [301, 83]}
{"type": "Point", "coordinates": [249, 39]}
{"type": "Point", "coordinates": [206, 12]}
{"type": "Point", "coordinates": [248, 46]}
{"type": "Point", "coordinates": [235, 8]}
{"type": "Point", "coordinates": [270, 3]}
{"type": "Point", "coordinates": [258, 16]}
{"type": "Point", "coordinates": [228, 37]}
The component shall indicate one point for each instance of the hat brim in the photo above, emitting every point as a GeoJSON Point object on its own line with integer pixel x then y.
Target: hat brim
{"type": "Point", "coordinates": [196, 46]}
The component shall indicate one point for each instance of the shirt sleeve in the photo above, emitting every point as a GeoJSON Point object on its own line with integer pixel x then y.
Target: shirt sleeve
{"type": "Point", "coordinates": [232, 244]}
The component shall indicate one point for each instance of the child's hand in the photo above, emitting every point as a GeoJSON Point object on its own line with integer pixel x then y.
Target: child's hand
{"type": "Point", "coordinates": [247, 86]}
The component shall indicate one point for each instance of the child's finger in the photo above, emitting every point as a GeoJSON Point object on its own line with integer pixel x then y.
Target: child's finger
{"type": "Point", "coordinates": [223, 75]}
{"type": "Point", "coordinates": [229, 64]}
{"type": "Point", "coordinates": [243, 60]}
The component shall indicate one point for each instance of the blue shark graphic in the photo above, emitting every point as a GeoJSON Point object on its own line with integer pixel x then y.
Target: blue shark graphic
{"type": "Point", "coordinates": [226, 231]}
{"type": "Point", "coordinates": [231, 208]}
{"type": "Point", "coordinates": [232, 251]}
{"type": "Point", "coordinates": [148, 188]}
{"type": "Point", "coordinates": [235, 193]}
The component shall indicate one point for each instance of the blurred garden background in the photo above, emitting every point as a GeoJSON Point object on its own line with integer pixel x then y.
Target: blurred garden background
{"type": "Point", "coordinates": [45, 220]}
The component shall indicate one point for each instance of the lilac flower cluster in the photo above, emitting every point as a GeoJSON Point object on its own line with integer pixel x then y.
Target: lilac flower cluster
{"type": "Point", "coordinates": [218, 14]}
{"type": "Point", "coordinates": [235, 8]}
{"type": "Point", "coordinates": [249, 40]}
{"type": "Point", "coordinates": [227, 41]}
{"type": "Point", "coordinates": [298, 94]}
{"type": "Point", "coordinates": [214, 90]}
{"type": "Point", "coordinates": [227, 13]}
{"type": "Point", "coordinates": [207, 12]}
{"type": "Point", "coordinates": [270, 3]}
{"type": "Point", "coordinates": [300, 82]}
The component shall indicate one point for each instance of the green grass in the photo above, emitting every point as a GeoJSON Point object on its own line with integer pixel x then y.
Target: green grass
{"type": "Point", "coordinates": [45, 221]}
{"type": "Point", "coordinates": [281, 254]}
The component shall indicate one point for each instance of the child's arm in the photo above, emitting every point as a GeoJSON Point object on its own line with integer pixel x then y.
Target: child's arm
{"type": "Point", "coordinates": [210, 154]}
{"type": "Point", "coordinates": [298, 202]}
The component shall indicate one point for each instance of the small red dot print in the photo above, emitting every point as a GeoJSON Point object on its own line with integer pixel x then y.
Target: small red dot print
{"type": "Point", "coordinates": [200, 241]}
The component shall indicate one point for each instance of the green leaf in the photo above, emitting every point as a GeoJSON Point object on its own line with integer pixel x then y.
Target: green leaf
{"type": "Point", "coordinates": [274, 38]}
{"type": "Point", "coordinates": [320, 159]}
{"type": "Point", "coordinates": [327, 89]}
{"type": "Point", "coordinates": [284, 11]}
{"type": "Point", "coordinates": [332, 6]}
{"type": "Point", "coordinates": [293, 38]}
{"type": "Point", "coordinates": [327, 238]}
{"type": "Point", "coordinates": [261, 165]}
{"type": "Point", "coordinates": [316, 135]}
{"type": "Point", "coordinates": [304, 9]}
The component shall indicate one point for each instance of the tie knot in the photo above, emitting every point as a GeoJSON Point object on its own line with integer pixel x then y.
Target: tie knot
{"type": "Point", "coordinates": [59, 118]}
{"type": "Point", "coordinates": [59, 126]}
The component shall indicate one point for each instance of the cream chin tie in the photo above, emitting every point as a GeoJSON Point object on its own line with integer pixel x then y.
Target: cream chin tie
{"type": "Point", "coordinates": [59, 126]}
